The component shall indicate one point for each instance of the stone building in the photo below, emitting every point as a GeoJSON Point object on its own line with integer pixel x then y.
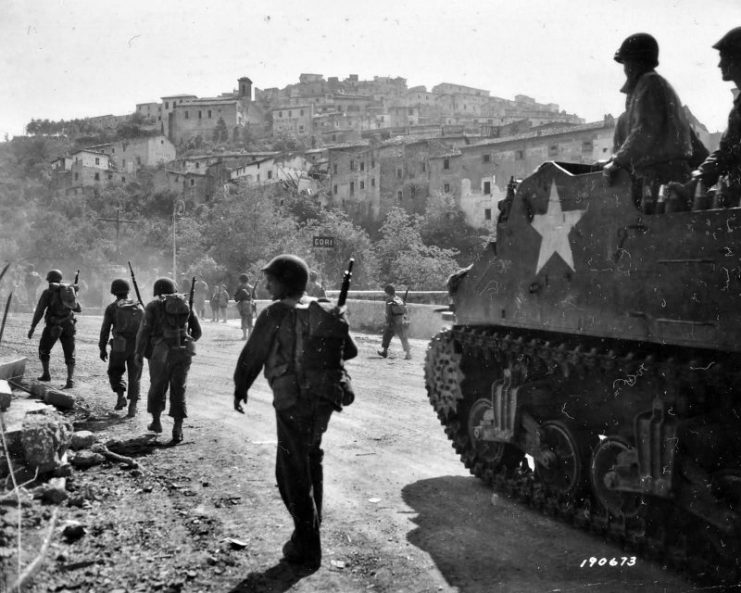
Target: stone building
{"type": "Point", "coordinates": [353, 181]}
{"type": "Point", "coordinates": [295, 120]}
{"type": "Point", "coordinates": [130, 154]}
{"type": "Point", "coordinates": [84, 169]}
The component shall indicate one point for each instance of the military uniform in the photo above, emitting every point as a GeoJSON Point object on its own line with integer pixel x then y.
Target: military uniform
{"type": "Point", "coordinates": [243, 297]}
{"type": "Point", "coordinates": [726, 160]}
{"type": "Point", "coordinates": [169, 362]}
{"type": "Point", "coordinates": [302, 414]}
{"type": "Point", "coordinates": [199, 298]}
{"type": "Point", "coordinates": [395, 312]}
{"type": "Point", "coordinates": [122, 357]}
{"type": "Point", "coordinates": [60, 324]}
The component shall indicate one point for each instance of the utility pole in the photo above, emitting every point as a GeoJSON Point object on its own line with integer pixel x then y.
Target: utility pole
{"type": "Point", "coordinates": [178, 207]}
{"type": "Point", "coordinates": [119, 221]}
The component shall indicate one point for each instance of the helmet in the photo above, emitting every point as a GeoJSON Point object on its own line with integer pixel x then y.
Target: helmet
{"type": "Point", "coordinates": [290, 270]}
{"type": "Point", "coordinates": [389, 289]}
{"type": "Point", "coordinates": [120, 286]}
{"type": "Point", "coordinates": [730, 43]}
{"type": "Point", "coordinates": [163, 286]}
{"type": "Point", "coordinates": [640, 47]}
{"type": "Point", "coordinates": [243, 277]}
{"type": "Point", "coordinates": [54, 276]}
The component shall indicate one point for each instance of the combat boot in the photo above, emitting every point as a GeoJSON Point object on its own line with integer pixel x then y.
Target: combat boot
{"type": "Point", "coordinates": [45, 376]}
{"type": "Point", "coordinates": [132, 408]}
{"type": "Point", "coordinates": [408, 356]}
{"type": "Point", "coordinates": [155, 425]}
{"type": "Point", "coordinates": [177, 431]}
{"type": "Point", "coordinates": [70, 373]}
{"type": "Point", "coordinates": [121, 403]}
{"type": "Point", "coordinates": [383, 353]}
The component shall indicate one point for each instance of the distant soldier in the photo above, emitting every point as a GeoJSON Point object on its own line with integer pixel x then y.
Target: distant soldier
{"type": "Point", "coordinates": [727, 159]}
{"type": "Point", "coordinates": [200, 294]}
{"type": "Point", "coordinates": [166, 337]}
{"type": "Point", "coordinates": [243, 296]}
{"type": "Point", "coordinates": [314, 287]}
{"type": "Point", "coordinates": [122, 317]}
{"type": "Point", "coordinates": [57, 305]}
{"type": "Point", "coordinates": [31, 281]}
{"type": "Point", "coordinates": [220, 302]}
{"type": "Point", "coordinates": [396, 309]}
{"type": "Point", "coordinates": [652, 140]}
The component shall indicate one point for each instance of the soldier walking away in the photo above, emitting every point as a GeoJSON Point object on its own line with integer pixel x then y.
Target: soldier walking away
{"type": "Point", "coordinates": [243, 296]}
{"type": "Point", "coordinates": [122, 318]}
{"type": "Point", "coordinates": [166, 338]}
{"type": "Point", "coordinates": [726, 160]}
{"type": "Point", "coordinates": [304, 397]}
{"type": "Point", "coordinates": [199, 298]}
{"type": "Point", "coordinates": [652, 137]}
{"type": "Point", "coordinates": [396, 310]}
{"type": "Point", "coordinates": [221, 298]}
{"type": "Point", "coordinates": [57, 305]}
{"type": "Point", "coordinates": [314, 288]}
{"type": "Point", "coordinates": [31, 281]}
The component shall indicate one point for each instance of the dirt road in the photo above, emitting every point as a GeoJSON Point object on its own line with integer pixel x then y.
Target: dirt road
{"type": "Point", "coordinates": [401, 511]}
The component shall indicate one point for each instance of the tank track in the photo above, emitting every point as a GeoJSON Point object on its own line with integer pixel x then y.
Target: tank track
{"type": "Point", "coordinates": [444, 377]}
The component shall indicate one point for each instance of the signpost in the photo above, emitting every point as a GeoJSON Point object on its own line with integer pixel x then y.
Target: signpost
{"type": "Point", "coordinates": [324, 242]}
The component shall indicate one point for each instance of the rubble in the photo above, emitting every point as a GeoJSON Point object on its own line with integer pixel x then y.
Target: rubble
{"type": "Point", "coordinates": [82, 439]}
{"type": "Point", "coordinates": [44, 438]}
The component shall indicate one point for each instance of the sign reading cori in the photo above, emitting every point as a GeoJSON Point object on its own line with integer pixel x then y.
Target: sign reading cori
{"type": "Point", "coordinates": [324, 242]}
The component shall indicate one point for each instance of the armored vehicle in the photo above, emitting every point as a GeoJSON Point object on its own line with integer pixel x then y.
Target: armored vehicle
{"type": "Point", "coordinates": [593, 368]}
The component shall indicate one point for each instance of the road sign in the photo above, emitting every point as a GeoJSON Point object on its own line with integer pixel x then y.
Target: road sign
{"type": "Point", "coordinates": [324, 242]}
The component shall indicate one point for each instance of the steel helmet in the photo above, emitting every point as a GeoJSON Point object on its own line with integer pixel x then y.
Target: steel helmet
{"type": "Point", "coordinates": [244, 277]}
{"type": "Point", "coordinates": [730, 43]}
{"type": "Point", "coordinates": [291, 271]}
{"type": "Point", "coordinates": [54, 276]}
{"type": "Point", "coordinates": [120, 286]}
{"type": "Point", "coordinates": [163, 286]}
{"type": "Point", "coordinates": [639, 47]}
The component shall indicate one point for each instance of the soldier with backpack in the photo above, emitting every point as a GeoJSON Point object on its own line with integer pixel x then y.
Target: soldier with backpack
{"type": "Point", "coordinates": [166, 338]}
{"type": "Point", "coordinates": [302, 344]}
{"type": "Point", "coordinates": [396, 311]}
{"type": "Point", "coordinates": [243, 296]}
{"type": "Point", "coordinates": [122, 318]}
{"type": "Point", "coordinates": [57, 305]}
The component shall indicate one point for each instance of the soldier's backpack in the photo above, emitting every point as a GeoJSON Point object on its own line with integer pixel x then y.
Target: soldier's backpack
{"type": "Point", "coordinates": [176, 313]}
{"type": "Point", "coordinates": [398, 307]}
{"type": "Point", "coordinates": [322, 335]}
{"type": "Point", "coordinates": [127, 318]}
{"type": "Point", "coordinates": [64, 299]}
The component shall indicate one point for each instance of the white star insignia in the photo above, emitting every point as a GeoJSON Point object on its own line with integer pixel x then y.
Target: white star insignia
{"type": "Point", "coordinates": [554, 226]}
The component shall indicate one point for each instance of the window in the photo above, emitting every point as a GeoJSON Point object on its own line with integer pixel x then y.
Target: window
{"type": "Point", "coordinates": [362, 185]}
{"type": "Point", "coordinates": [301, 128]}
{"type": "Point", "coordinates": [352, 165]}
{"type": "Point", "coordinates": [424, 167]}
{"type": "Point", "coordinates": [446, 188]}
{"type": "Point", "coordinates": [162, 142]}
{"type": "Point", "coordinates": [167, 105]}
{"type": "Point", "coordinates": [200, 114]}
{"type": "Point", "coordinates": [400, 195]}
{"type": "Point", "coordinates": [198, 165]}
{"type": "Point", "coordinates": [334, 189]}
{"type": "Point", "coordinates": [352, 188]}
{"type": "Point", "coordinates": [334, 168]}
{"type": "Point", "coordinates": [258, 178]}
{"type": "Point", "coordinates": [113, 151]}
{"type": "Point", "coordinates": [519, 155]}
{"type": "Point", "coordinates": [362, 165]}
{"type": "Point", "coordinates": [487, 213]}
{"type": "Point", "coordinates": [123, 179]}
{"type": "Point", "coordinates": [192, 182]}
{"type": "Point", "coordinates": [186, 115]}
{"type": "Point", "coordinates": [110, 176]}
{"type": "Point", "coordinates": [553, 150]}
{"type": "Point", "coordinates": [97, 160]}
{"type": "Point", "coordinates": [373, 164]}
{"type": "Point", "coordinates": [373, 182]}
{"type": "Point", "coordinates": [209, 114]}
{"type": "Point", "coordinates": [486, 158]}
{"type": "Point", "coordinates": [77, 176]}
{"type": "Point", "coordinates": [399, 173]}
{"type": "Point", "coordinates": [301, 112]}
{"type": "Point", "coordinates": [587, 146]}
{"type": "Point", "coordinates": [487, 188]}
{"type": "Point", "coordinates": [446, 163]}
{"type": "Point", "coordinates": [280, 114]}
{"type": "Point", "coordinates": [270, 174]}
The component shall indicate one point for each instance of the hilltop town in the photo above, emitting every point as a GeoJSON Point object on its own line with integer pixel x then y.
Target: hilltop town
{"type": "Point", "coordinates": [361, 145]}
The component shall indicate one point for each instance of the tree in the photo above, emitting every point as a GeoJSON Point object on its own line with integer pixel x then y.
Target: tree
{"type": "Point", "coordinates": [221, 134]}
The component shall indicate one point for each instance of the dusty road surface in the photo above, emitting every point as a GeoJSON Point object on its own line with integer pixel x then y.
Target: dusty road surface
{"type": "Point", "coordinates": [402, 514]}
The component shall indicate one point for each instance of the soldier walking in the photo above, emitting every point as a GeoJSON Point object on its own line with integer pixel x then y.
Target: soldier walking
{"type": "Point", "coordinates": [57, 305]}
{"type": "Point", "coordinates": [122, 318]}
{"type": "Point", "coordinates": [395, 313]}
{"type": "Point", "coordinates": [245, 304]}
{"type": "Point", "coordinates": [200, 294]}
{"type": "Point", "coordinates": [166, 338]}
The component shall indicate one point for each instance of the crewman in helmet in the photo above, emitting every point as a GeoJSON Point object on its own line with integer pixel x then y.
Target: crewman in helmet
{"type": "Point", "coordinates": [122, 318]}
{"type": "Point", "coordinates": [302, 407]}
{"type": "Point", "coordinates": [166, 337]}
{"type": "Point", "coordinates": [726, 160]}
{"type": "Point", "coordinates": [652, 137]}
{"type": "Point", "coordinates": [57, 305]}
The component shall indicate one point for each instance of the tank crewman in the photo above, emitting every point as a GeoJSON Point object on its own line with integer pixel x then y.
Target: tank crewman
{"type": "Point", "coordinates": [314, 288]}
{"type": "Point", "coordinates": [165, 337]}
{"type": "Point", "coordinates": [59, 318]}
{"type": "Point", "coordinates": [243, 296]}
{"type": "Point", "coordinates": [726, 160]}
{"type": "Point", "coordinates": [652, 137]}
{"type": "Point", "coordinates": [122, 318]}
{"type": "Point", "coordinates": [395, 311]}
{"type": "Point", "coordinates": [302, 418]}
{"type": "Point", "coordinates": [200, 294]}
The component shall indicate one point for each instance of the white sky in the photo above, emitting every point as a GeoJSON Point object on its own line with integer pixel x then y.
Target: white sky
{"type": "Point", "coordinates": [62, 60]}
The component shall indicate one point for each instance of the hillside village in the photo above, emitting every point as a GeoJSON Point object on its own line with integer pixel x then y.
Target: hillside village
{"type": "Point", "coordinates": [363, 146]}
